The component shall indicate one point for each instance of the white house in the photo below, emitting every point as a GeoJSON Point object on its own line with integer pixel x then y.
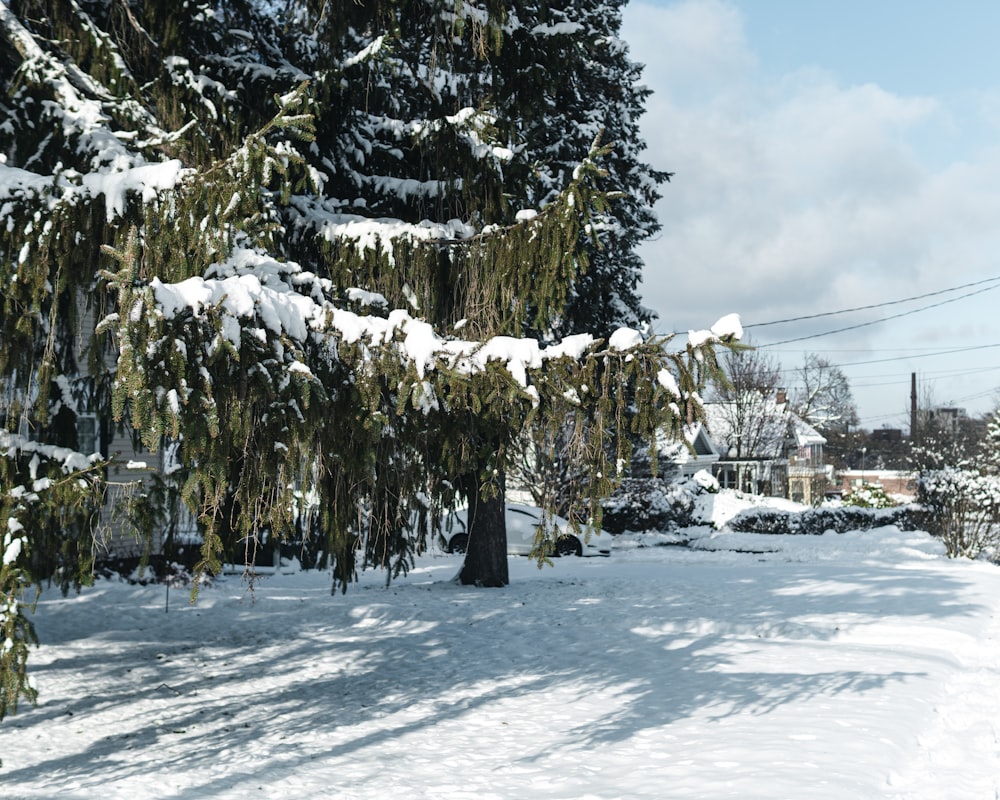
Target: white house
{"type": "Point", "coordinates": [776, 453]}
{"type": "Point", "coordinates": [697, 452]}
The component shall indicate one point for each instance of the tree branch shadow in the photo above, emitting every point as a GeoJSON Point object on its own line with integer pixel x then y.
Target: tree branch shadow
{"type": "Point", "coordinates": [351, 675]}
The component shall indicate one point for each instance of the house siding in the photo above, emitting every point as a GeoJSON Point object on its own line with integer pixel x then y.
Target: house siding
{"type": "Point", "coordinates": [117, 537]}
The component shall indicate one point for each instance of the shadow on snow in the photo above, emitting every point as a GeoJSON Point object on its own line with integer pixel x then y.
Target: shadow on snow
{"type": "Point", "coordinates": [329, 677]}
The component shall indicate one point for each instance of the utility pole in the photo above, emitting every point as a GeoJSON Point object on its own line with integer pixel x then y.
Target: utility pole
{"type": "Point", "coordinates": [913, 406]}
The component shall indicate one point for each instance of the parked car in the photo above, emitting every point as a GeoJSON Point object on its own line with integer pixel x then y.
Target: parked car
{"type": "Point", "coordinates": [522, 523]}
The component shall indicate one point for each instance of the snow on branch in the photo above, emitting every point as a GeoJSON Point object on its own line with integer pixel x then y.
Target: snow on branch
{"type": "Point", "coordinates": [728, 328]}
{"type": "Point", "coordinates": [69, 461]}
{"type": "Point", "coordinates": [366, 53]}
{"type": "Point", "coordinates": [80, 107]}
{"type": "Point", "coordinates": [70, 188]}
{"type": "Point", "coordinates": [323, 217]}
{"type": "Point", "coordinates": [251, 294]}
{"type": "Point", "coordinates": [254, 294]}
{"type": "Point", "coordinates": [558, 29]}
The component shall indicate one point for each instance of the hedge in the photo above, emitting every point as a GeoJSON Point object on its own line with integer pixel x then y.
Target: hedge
{"type": "Point", "coordinates": [816, 521]}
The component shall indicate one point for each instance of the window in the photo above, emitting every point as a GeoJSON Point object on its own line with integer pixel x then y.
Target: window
{"type": "Point", "coordinates": [87, 434]}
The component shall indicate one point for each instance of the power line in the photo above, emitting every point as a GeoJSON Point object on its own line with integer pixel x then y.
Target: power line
{"type": "Point", "coordinates": [914, 352]}
{"type": "Point", "coordinates": [883, 319]}
{"type": "Point", "coordinates": [819, 351]}
{"type": "Point", "coordinates": [875, 305]}
{"type": "Point", "coordinates": [976, 396]}
{"type": "Point", "coordinates": [937, 373]}
{"type": "Point", "coordinates": [903, 414]}
{"type": "Point", "coordinates": [905, 358]}
{"type": "Point", "coordinates": [901, 378]}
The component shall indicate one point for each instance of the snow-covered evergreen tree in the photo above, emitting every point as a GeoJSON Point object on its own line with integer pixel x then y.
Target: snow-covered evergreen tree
{"type": "Point", "coordinates": [314, 237]}
{"type": "Point", "coordinates": [570, 58]}
{"type": "Point", "coordinates": [587, 86]}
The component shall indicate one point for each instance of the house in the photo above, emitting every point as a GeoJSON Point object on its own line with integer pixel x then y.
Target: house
{"type": "Point", "coordinates": [808, 476]}
{"type": "Point", "coordinates": [767, 449]}
{"type": "Point", "coordinates": [677, 460]}
{"type": "Point", "coordinates": [131, 469]}
{"type": "Point", "coordinates": [697, 453]}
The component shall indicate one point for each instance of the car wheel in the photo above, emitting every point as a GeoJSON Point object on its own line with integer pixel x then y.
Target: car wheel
{"type": "Point", "coordinates": [459, 543]}
{"type": "Point", "coordinates": [568, 546]}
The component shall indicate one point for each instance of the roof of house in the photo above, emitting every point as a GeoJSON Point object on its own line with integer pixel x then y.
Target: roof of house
{"type": "Point", "coordinates": [780, 427]}
{"type": "Point", "coordinates": [805, 434]}
{"type": "Point", "coordinates": [696, 439]}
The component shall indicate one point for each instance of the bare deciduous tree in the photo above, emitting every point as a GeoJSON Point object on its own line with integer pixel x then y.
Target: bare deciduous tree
{"type": "Point", "coordinates": [824, 399]}
{"type": "Point", "coordinates": [747, 407]}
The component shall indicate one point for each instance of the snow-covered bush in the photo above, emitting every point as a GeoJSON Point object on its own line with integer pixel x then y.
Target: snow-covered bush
{"type": "Point", "coordinates": [817, 521]}
{"type": "Point", "coordinates": [869, 495]}
{"type": "Point", "coordinates": [961, 507]}
{"type": "Point", "coordinates": [763, 520]}
{"type": "Point", "coordinates": [706, 481]}
{"type": "Point", "coordinates": [650, 504]}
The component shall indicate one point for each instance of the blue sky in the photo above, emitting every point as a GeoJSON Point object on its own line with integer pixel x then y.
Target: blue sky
{"type": "Point", "coordinates": [827, 156]}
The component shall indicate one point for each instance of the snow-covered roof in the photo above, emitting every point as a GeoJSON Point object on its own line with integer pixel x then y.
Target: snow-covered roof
{"type": "Point", "coordinates": [696, 438]}
{"type": "Point", "coordinates": [772, 427]}
{"type": "Point", "coordinates": [805, 434]}
{"type": "Point", "coordinates": [778, 425]}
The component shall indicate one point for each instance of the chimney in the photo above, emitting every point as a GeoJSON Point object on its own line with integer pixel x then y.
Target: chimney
{"type": "Point", "coordinates": [782, 397]}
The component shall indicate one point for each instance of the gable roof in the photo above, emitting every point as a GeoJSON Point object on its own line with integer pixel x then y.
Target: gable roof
{"type": "Point", "coordinates": [805, 434]}
{"type": "Point", "coordinates": [696, 438]}
{"type": "Point", "coordinates": [695, 451]}
{"type": "Point", "coordinates": [778, 427]}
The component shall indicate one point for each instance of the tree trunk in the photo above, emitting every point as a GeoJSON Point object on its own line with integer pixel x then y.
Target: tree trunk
{"type": "Point", "coordinates": [486, 553]}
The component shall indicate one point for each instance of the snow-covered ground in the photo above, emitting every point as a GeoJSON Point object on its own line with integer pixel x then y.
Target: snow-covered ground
{"type": "Point", "coordinates": [851, 666]}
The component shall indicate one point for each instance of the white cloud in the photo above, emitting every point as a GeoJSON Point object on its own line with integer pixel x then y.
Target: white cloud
{"type": "Point", "coordinates": [797, 193]}
{"type": "Point", "coordinates": [702, 39]}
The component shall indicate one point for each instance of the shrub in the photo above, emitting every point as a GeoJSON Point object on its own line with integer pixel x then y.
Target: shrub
{"type": "Point", "coordinates": [816, 521]}
{"type": "Point", "coordinates": [649, 504]}
{"type": "Point", "coordinates": [764, 520]}
{"type": "Point", "coordinates": [961, 507]}
{"type": "Point", "coordinates": [869, 495]}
